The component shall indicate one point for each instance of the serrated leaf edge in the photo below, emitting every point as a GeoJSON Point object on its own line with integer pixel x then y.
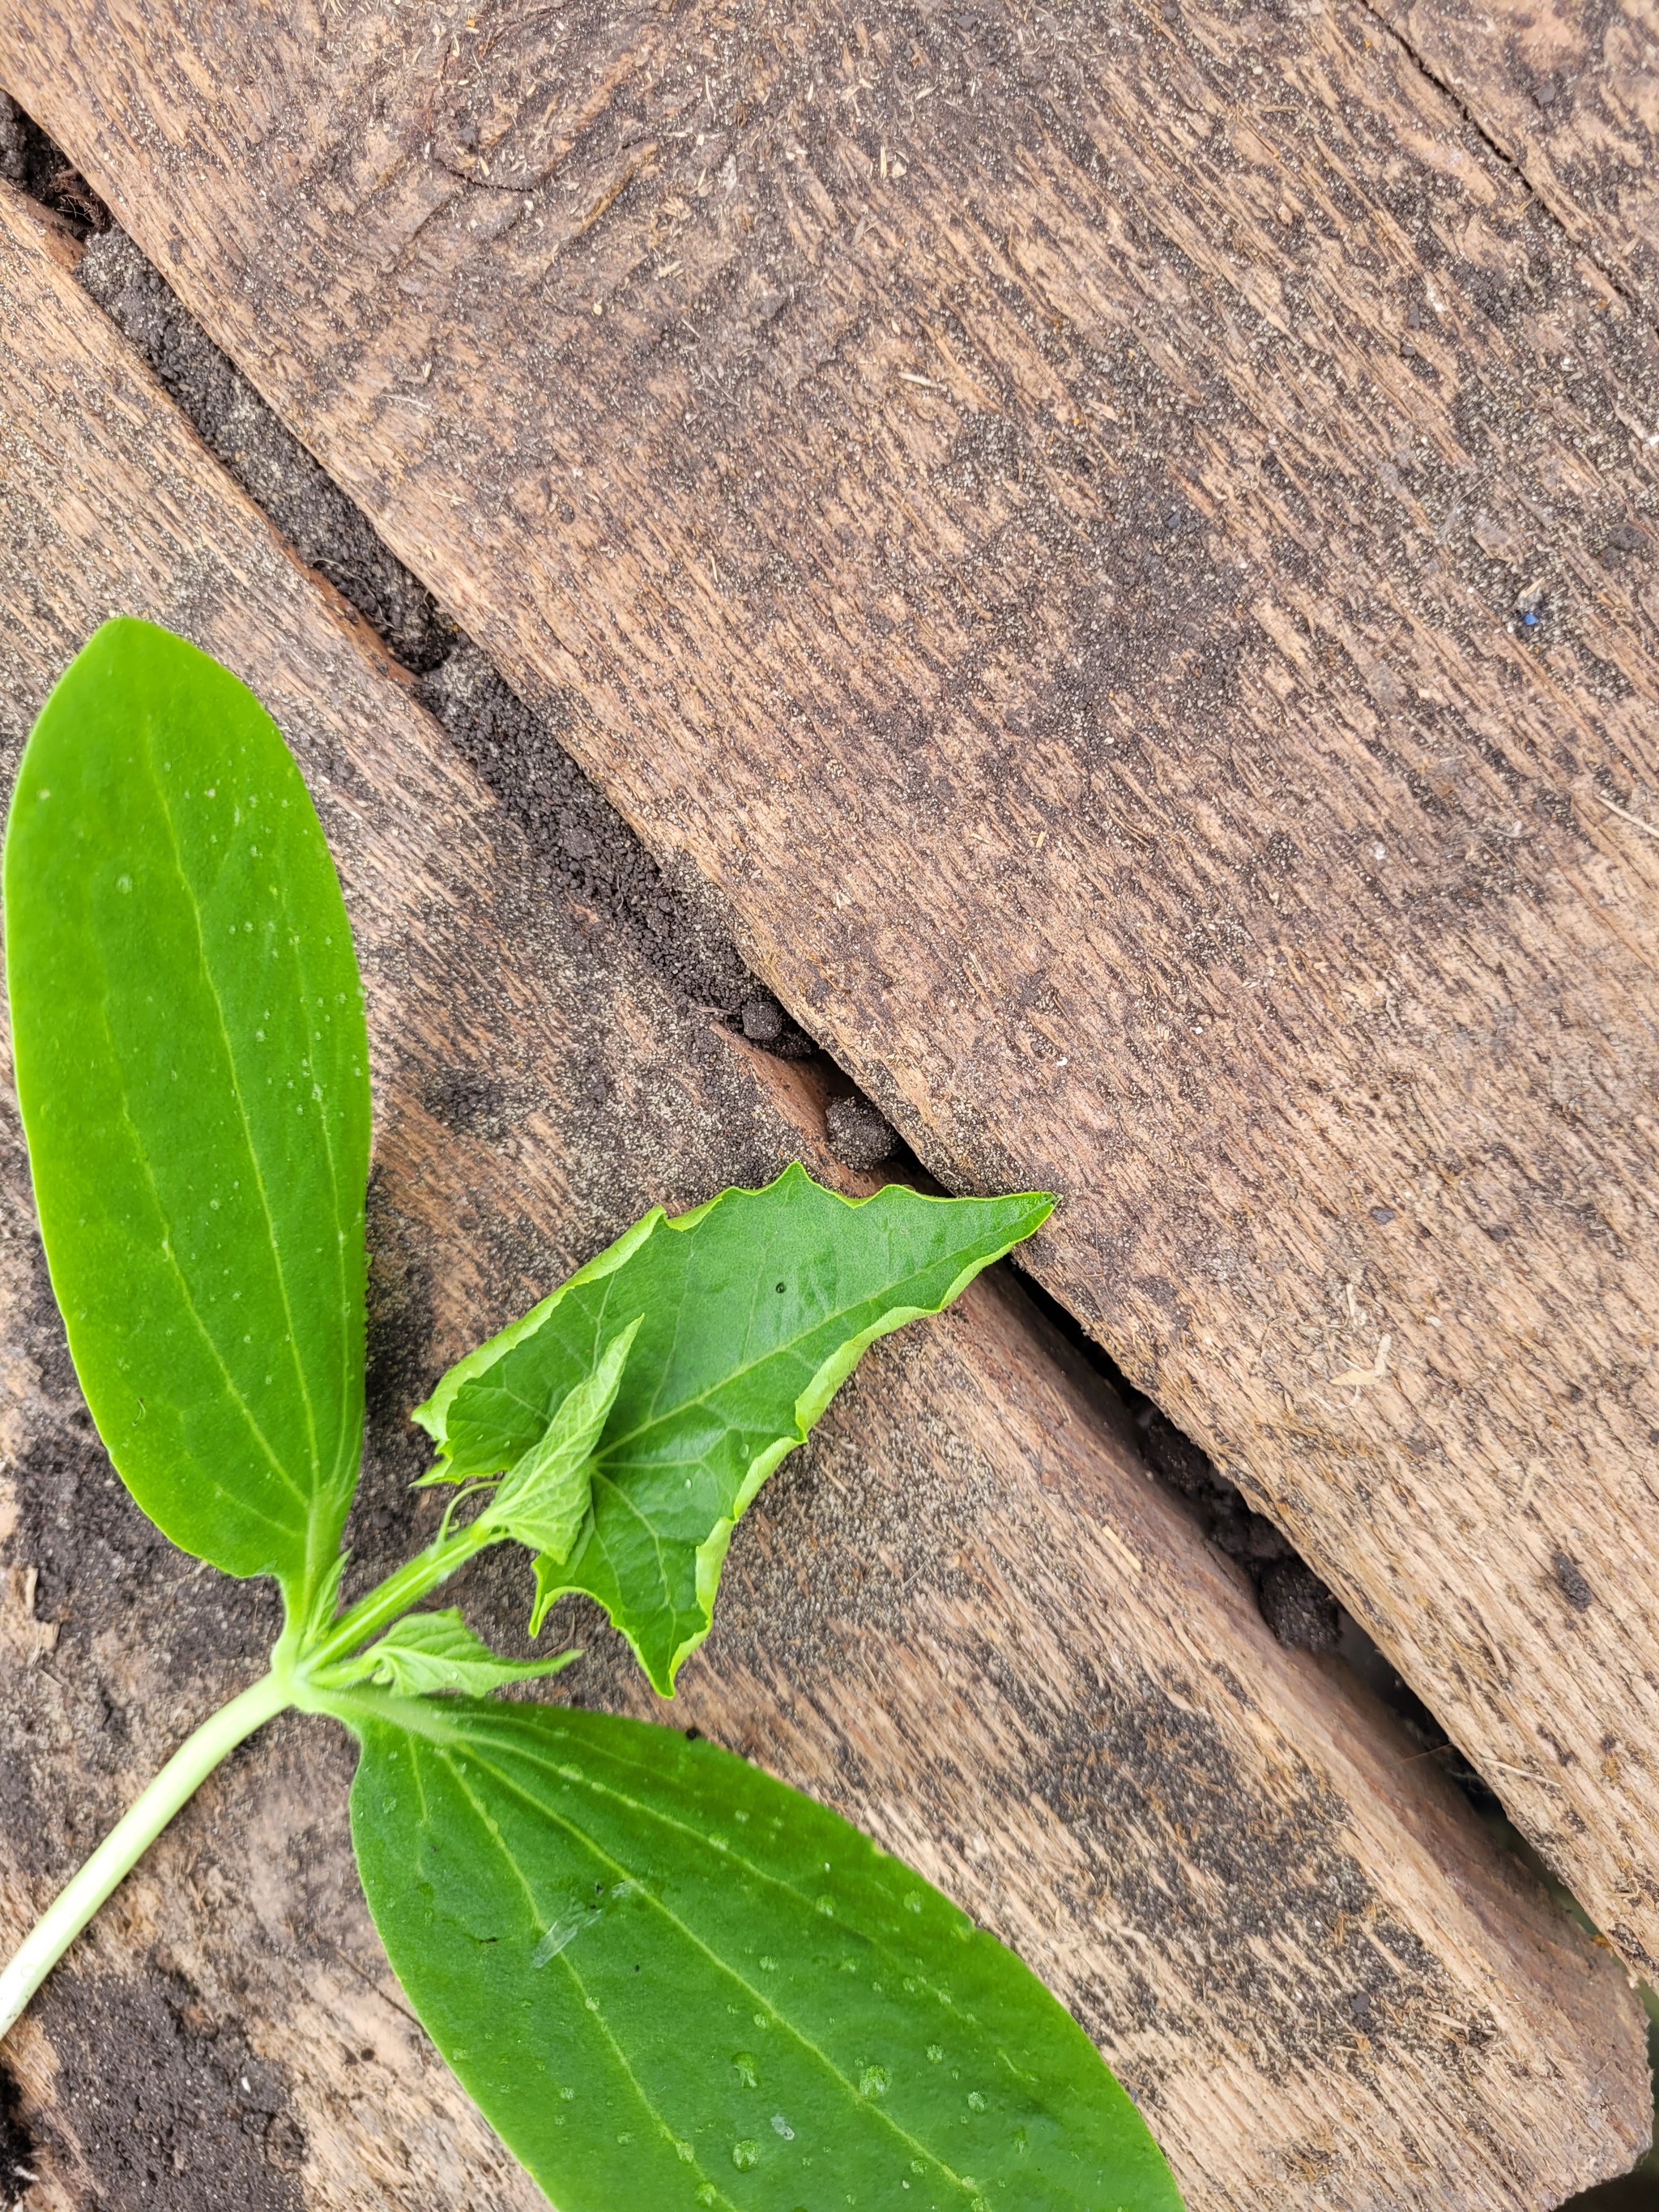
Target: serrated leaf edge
{"type": "Point", "coordinates": [808, 1409]}
{"type": "Point", "coordinates": [363, 1669]}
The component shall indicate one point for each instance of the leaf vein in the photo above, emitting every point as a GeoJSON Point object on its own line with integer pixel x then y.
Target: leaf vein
{"type": "Point", "coordinates": [721, 1966]}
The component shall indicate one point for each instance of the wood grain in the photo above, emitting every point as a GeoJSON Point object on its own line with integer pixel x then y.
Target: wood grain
{"type": "Point", "coordinates": [1568, 91]}
{"type": "Point", "coordinates": [1088, 527]}
{"type": "Point", "coordinates": [965, 1615]}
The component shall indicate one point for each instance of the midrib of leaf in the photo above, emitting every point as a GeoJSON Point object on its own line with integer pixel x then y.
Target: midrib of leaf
{"type": "Point", "coordinates": [542, 1764]}
{"type": "Point", "coordinates": [627, 1503]}
{"type": "Point", "coordinates": [778, 1351]}
{"type": "Point", "coordinates": [721, 1966]}
{"type": "Point", "coordinates": [494, 1835]}
{"type": "Point", "coordinates": [308, 1504]}
{"type": "Point", "coordinates": [246, 1409]}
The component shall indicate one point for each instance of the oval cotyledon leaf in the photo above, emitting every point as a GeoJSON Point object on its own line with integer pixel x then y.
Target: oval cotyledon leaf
{"type": "Point", "coordinates": [193, 1069]}
{"type": "Point", "coordinates": [752, 1311]}
{"type": "Point", "coordinates": [672, 1984]}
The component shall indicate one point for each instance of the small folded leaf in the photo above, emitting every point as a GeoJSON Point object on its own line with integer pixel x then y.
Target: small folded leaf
{"type": "Point", "coordinates": [192, 1068]}
{"type": "Point", "coordinates": [755, 1308]}
{"type": "Point", "coordinates": [477, 1415]}
{"type": "Point", "coordinates": [669, 1983]}
{"type": "Point", "coordinates": [426, 1652]}
{"type": "Point", "coordinates": [543, 1500]}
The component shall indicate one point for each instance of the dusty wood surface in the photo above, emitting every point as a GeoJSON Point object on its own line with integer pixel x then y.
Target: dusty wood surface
{"type": "Point", "coordinates": [1043, 509]}
{"type": "Point", "coordinates": [964, 1614]}
{"type": "Point", "coordinates": [1569, 91]}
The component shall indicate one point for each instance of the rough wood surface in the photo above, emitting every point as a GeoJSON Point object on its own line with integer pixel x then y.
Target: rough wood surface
{"type": "Point", "coordinates": [1089, 525]}
{"type": "Point", "coordinates": [1569, 91]}
{"type": "Point", "coordinates": [965, 1615]}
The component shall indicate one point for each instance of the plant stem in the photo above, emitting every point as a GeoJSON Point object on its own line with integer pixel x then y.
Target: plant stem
{"type": "Point", "coordinates": [132, 1836]}
{"type": "Point", "coordinates": [389, 1599]}
{"type": "Point", "coordinates": [290, 1683]}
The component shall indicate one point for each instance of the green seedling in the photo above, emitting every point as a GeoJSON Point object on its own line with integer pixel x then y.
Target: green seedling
{"type": "Point", "coordinates": [668, 1980]}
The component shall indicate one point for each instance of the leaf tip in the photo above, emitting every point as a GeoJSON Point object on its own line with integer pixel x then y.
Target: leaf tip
{"type": "Point", "coordinates": [1042, 1204]}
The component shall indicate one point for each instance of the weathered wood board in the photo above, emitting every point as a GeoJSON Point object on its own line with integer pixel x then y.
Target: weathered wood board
{"type": "Point", "coordinates": [1569, 91]}
{"type": "Point", "coordinates": [1092, 526]}
{"type": "Point", "coordinates": [964, 1614]}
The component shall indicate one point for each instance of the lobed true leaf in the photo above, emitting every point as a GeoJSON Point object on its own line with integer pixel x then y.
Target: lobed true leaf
{"type": "Point", "coordinates": [426, 1653]}
{"type": "Point", "coordinates": [753, 1310]}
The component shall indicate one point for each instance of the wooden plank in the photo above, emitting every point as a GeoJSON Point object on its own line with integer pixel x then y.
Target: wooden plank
{"type": "Point", "coordinates": [1088, 529]}
{"type": "Point", "coordinates": [1568, 91]}
{"type": "Point", "coordinates": [965, 1615]}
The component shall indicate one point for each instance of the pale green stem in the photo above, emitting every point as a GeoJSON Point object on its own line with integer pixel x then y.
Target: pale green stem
{"type": "Point", "coordinates": [388, 1601]}
{"type": "Point", "coordinates": [290, 1682]}
{"type": "Point", "coordinates": [132, 1836]}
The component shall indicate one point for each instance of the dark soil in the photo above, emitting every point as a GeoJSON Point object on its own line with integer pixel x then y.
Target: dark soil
{"type": "Point", "coordinates": [175, 2108]}
{"type": "Point", "coordinates": [1295, 1604]}
{"type": "Point", "coordinates": [18, 2167]}
{"type": "Point", "coordinates": [859, 1136]}
{"type": "Point", "coordinates": [326, 529]}
{"type": "Point", "coordinates": [30, 160]}
{"type": "Point", "coordinates": [171, 2107]}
